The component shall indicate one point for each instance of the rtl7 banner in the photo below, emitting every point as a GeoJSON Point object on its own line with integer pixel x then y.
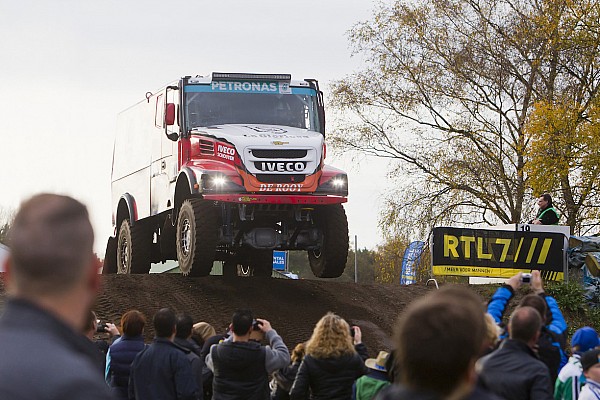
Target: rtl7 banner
{"type": "Point", "coordinates": [497, 254]}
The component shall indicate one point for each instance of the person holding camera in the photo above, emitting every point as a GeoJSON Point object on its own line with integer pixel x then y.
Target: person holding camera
{"type": "Point", "coordinates": [241, 366]}
{"type": "Point", "coordinates": [552, 340]}
{"type": "Point", "coordinates": [332, 363]}
{"type": "Point", "coordinates": [93, 327]}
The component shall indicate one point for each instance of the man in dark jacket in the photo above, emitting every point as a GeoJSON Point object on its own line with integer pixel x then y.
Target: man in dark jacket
{"type": "Point", "coordinates": [514, 371]}
{"type": "Point", "coordinates": [162, 370]}
{"type": "Point", "coordinates": [183, 339]}
{"type": "Point", "coordinates": [52, 277]}
{"type": "Point", "coordinates": [547, 214]}
{"type": "Point", "coordinates": [552, 340]}
{"type": "Point", "coordinates": [242, 366]}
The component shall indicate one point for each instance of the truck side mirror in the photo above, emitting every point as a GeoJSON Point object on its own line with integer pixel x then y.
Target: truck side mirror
{"type": "Point", "coordinates": [170, 114]}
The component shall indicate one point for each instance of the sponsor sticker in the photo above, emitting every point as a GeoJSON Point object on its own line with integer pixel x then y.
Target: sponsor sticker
{"type": "Point", "coordinates": [280, 166]}
{"type": "Point", "coordinates": [225, 151]}
{"type": "Point", "coordinates": [252, 87]}
{"type": "Point", "coordinates": [281, 187]}
{"type": "Point", "coordinates": [247, 199]}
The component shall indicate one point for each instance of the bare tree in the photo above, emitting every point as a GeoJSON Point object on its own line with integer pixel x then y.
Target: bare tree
{"type": "Point", "coordinates": [447, 91]}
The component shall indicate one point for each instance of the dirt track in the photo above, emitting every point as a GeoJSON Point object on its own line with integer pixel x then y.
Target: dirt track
{"type": "Point", "coordinates": [292, 307]}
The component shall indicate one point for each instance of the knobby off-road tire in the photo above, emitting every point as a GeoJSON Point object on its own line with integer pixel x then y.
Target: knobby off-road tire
{"type": "Point", "coordinates": [197, 229]}
{"type": "Point", "coordinates": [110, 257]}
{"type": "Point", "coordinates": [330, 260]}
{"type": "Point", "coordinates": [133, 248]}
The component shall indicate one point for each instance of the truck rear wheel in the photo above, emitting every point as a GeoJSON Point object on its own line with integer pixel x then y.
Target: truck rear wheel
{"type": "Point", "coordinates": [110, 257]}
{"type": "Point", "coordinates": [133, 248]}
{"type": "Point", "coordinates": [329, 261]}
{"type": "Point", "coordinates": [196, 237]}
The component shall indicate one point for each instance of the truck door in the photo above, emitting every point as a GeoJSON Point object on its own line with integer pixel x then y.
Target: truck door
{"type": "Point", "coordinates": [164, 155]}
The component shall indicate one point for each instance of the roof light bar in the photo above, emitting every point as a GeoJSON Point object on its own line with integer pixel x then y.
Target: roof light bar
{"type": "Point", "coordinates": [224, 76]}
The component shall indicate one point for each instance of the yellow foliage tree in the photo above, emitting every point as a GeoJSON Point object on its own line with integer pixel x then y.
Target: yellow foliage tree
{"type": "Point", "coordinates": [565, 158]}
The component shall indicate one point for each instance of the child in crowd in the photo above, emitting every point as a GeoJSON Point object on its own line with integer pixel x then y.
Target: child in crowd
{"type": "Point", "coordinates": [590, 361]}
{"type": "Point", "coordinates": [570, 378]}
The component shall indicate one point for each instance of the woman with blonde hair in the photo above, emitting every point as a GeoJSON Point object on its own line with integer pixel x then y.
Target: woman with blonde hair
{"type": "Point", "coordinates": [332, 362]}
{"type": "Point", "coordinates": [202, 331]}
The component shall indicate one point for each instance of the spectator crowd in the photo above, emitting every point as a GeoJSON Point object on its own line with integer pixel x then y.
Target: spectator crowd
{"type": "Point", "coordinates": [447, 345]}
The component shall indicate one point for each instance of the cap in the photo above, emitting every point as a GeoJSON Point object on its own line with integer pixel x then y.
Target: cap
{"type": "Point", "coordinates": [590, 358]}
{"type": "Point", "coordinates": [586, 338]}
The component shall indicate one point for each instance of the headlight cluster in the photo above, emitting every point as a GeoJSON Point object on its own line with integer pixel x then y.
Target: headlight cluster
{"type": "Point", "coordinates": [219, 183]}
{"type": "Point", "coordinates": [336, 185]}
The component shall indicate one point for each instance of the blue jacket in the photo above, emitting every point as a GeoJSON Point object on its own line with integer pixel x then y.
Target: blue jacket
{"type": "Point", "coordinates": [162, 372]}
{"type": "Point", "coordinates": [554, 332]}
{"type": "Point", "coordinates": [118, 363]}
{"type": "Point", "coordinates": [43, 358]}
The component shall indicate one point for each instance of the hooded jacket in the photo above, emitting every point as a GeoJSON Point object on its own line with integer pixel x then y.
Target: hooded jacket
{"type": "Point", "coordinates": [327, 378]}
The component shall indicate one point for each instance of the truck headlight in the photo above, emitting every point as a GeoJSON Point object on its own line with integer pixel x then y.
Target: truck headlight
{"type": "Point", "coordinates": [220, 183]}
{"type": "Point", "coordinates": [336, 185]}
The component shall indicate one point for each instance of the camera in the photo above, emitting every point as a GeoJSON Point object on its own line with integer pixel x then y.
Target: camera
{"type": "Point", "coordinates": [101, 327]}
{"type": "Point", "coordinates": [256, 325]}
{"type": "Point", "coordinates": [526, 278]}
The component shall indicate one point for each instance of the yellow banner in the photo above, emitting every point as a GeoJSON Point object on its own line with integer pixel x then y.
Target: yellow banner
{"type": "Point", "coordinates": [486, 272]}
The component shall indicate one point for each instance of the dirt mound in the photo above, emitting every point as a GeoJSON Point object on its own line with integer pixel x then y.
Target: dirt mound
{"type": "Point", "coordinates": [292, 307]}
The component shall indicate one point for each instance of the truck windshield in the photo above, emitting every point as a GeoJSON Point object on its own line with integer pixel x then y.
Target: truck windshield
{"type": "Point", "coordinates": [297, 109]}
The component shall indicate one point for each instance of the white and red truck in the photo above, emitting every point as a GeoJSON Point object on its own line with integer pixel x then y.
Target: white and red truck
{"type": "Point", "coordinates": [226, 167]}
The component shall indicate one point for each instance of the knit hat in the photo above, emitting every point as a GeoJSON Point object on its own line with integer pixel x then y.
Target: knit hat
{"type": "Point", "coordinates": [586, 338]}
{"type": "Point", "coordinates": [590, 358]}
{"type": "Point", "coordinates": [378, 364]}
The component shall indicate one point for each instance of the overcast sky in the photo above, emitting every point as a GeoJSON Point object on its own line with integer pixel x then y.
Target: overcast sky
{"type": "Point", "coordinates": [68, 67]}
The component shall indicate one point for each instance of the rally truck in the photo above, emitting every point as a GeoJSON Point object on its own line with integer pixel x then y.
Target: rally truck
{"type": "Point", "coordinates": [226, 167]}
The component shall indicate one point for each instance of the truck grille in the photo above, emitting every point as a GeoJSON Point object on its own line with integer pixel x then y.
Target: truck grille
{"type": "Point", "coordinates": [277, 178]}
{"type": "Point", "coordinates": [279, 153]}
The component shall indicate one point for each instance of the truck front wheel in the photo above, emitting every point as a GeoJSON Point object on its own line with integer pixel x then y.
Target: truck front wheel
{"type": "Point", "coordinates": [133, 248]}
{"type": "Point", "coordinates": [197, 227]}
{"type": "Point", "coordinates": [329, 260]}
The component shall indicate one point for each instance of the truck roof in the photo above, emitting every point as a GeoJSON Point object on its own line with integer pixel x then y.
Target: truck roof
{"type": "Point", "coordinates": [220, 76]}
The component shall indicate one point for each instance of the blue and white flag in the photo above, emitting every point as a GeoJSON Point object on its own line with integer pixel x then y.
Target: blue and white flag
{"type": "Point", "coordinates": [410, 262]}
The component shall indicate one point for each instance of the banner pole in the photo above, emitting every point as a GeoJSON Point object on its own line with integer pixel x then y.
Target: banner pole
{"type": "Point", "coordinates": [355, 259]}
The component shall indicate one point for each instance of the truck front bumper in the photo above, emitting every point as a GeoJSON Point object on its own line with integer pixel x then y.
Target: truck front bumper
{"type": "Point", "coordinates": [275, 199]}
